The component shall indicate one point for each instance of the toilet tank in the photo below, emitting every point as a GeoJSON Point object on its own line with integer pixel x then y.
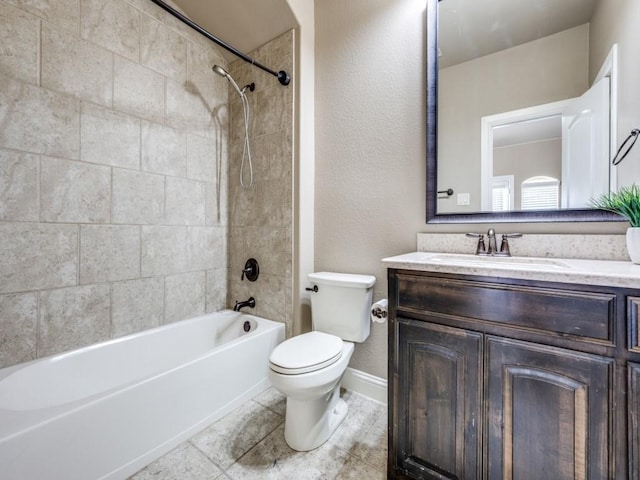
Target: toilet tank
{"type": "Point", "coordinates": [341, 305]}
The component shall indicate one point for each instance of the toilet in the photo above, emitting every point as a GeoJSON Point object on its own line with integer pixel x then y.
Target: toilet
{"type": "Point", "coordinates": [307, 368]}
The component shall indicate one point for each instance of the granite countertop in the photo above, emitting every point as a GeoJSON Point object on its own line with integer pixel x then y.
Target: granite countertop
{"type": "Point", "coordinates": [566, 270]}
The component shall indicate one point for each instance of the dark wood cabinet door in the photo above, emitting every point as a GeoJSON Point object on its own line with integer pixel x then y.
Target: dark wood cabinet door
{"type": "Point", "coordinates": [548, 413]}
{"type": "Point", "coordinates": [438, 411]}
{"type": "Point", "coordinates": [634, 421]}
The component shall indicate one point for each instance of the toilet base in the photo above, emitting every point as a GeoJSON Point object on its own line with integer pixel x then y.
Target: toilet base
{"type": "Point", "coordinates": [311, 422]}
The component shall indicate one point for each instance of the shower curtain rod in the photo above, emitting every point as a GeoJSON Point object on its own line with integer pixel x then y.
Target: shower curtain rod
{"type": "Point", "coordinates": [283, 77]}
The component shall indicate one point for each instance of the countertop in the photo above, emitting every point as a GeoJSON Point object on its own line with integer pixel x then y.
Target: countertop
{"type": "Point", "coordinates": [565, 270]}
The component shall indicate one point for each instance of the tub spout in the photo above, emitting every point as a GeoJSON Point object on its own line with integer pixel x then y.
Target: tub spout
{"type": "Point", "coordinates": [251, 303]}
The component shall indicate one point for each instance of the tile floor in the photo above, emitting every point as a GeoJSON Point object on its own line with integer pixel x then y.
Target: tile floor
{"type": "Point", "coordinates": [249, 444]}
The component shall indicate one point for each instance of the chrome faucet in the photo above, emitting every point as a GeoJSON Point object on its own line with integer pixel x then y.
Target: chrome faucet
{"type": "Point", "coordinates": [491, 248]}
{"type": "Point", "coordinates": [251, 303]}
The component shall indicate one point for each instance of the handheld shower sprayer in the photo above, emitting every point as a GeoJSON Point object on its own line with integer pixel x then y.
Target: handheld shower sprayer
{"type": "Point", "coordinates": [246, 150]}
{"type": "Point", "coordinates": [219, 70]}
{"type": "Point", "coordinates": [223, 73]}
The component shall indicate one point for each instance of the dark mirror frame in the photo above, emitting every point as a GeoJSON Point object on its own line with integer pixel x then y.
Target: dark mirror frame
{"type": "Point", "coordinates": [582, 215]}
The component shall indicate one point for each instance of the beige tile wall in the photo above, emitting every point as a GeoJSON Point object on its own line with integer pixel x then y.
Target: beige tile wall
{"type": "Point", "coordinates": [261, 217]}
{"type": "Point", "coordinates": [113, 165]}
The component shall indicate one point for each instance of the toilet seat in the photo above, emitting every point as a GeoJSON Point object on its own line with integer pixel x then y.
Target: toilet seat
{"type": "Point", "coordinates": [306, 353]}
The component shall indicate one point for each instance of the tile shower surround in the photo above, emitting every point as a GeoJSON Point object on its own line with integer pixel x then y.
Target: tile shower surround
{"type": "Point", "coordinates": [113, 175]}
{"type": "Point", "coordinates": [261, 217]}
{"type": "Point", "coordinates": [114, 146]}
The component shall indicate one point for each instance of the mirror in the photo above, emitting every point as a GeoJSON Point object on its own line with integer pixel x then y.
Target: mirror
{"type": "Point", "coordinates": [508, 91]}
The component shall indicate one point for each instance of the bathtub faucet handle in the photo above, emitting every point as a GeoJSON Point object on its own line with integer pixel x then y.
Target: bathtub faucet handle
{"type": "Point", "coordinates": [251, 270]}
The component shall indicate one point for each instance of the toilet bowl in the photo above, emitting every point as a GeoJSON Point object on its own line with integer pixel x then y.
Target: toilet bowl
{"type": "Point", "coordinates": [308, 368]}
{"type": "Point", "coordinates": [314, 407]}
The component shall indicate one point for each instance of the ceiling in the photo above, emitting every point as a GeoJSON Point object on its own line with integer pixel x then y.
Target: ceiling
{"type": "Point", "coordinates": [469, 29]}
{"type": "Point", "coordinates": [528, 131]}
{"type": "Point", "coordinates": [245, 25]}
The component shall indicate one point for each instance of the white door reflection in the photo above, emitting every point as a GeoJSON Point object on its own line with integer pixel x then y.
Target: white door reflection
{"type": "Point", "coordinates": [566, 141]}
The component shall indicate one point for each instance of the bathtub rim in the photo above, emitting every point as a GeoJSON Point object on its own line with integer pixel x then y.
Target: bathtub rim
{"type": "Point", "coordinates": [8, 370]}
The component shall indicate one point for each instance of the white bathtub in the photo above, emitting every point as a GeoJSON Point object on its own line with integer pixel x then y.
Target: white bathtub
{"type": "Point", "coordinates": [107, 410]}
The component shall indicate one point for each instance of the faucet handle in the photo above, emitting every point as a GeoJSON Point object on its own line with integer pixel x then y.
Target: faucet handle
{"type": "Point", "coordinates": [251, 270]}
{"type": "Point", "coordinates": [481, 249]}
{"type": "Point", "coordinates": [504, 246]}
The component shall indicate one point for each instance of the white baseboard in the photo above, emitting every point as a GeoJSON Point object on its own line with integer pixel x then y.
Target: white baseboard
{"type": "Point", "coordinates": [365, 384]}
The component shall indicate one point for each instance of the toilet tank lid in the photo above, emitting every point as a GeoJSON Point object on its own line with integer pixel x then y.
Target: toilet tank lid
{"type": "Point", "coordinates": [342, 279]}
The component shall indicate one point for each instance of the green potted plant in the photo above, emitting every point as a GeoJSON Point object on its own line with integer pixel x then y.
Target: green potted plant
{"type": "Point", "coordinates": [626, 203]}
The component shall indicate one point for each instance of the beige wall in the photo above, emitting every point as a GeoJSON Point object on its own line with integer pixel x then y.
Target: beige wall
{"type": "Point", "coordinates": [370, 153]}
{"type": "Point", "coordinates": [304, 161]}
{"type": "Point", "coordinates": [261, 217]}
{"type": "Point", "coordinates": [111, 164]}
{"type": "Point", "coordinates": [543, 71]}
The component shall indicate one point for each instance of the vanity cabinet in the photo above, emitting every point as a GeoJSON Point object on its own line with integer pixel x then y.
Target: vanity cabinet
{"type": "Point", "coordinates": [548, 412]}
{"type": "Point", "coordinates": [634, 420]}
{"type": "Point", "coordinates": [440, 373]}
{"type": "Point", "coordinates": [496, 379]}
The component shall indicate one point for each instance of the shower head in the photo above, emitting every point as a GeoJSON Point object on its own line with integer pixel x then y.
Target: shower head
{"type": "Point", "coordinates": [219, 70]}
{"type": "Point", "coordinates": [223, 73]}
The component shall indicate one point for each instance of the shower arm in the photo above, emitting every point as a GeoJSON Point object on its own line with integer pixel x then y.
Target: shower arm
{"type": "Point", "coordinates": [283, 77]}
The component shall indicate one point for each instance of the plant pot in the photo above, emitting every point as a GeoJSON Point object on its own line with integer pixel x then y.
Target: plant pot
{"type": "Point", "coordinates": [633, 244]}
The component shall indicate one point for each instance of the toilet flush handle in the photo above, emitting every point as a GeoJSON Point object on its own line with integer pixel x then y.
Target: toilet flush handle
{"type": "Point", "coordinates": [314, 289]}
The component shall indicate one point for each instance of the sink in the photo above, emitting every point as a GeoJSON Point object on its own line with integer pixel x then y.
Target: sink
{"type": "Point", "coordinates": [488, 261]}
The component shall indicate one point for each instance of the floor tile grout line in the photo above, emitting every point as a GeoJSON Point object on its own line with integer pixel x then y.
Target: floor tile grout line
{"type": "Point", "coordinates": [255, 445]}
{"type": "Point", "coordinates": [224, 470]}
{"type": "Point", "coordinates": [271, 409]}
